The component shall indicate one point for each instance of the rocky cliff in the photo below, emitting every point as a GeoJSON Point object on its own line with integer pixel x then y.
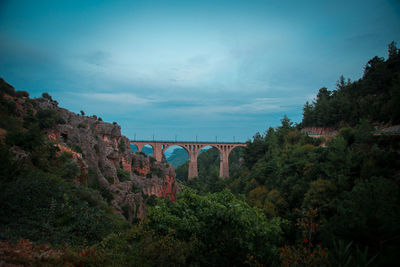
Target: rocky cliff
{"type": "Point", "coordinates": [104, 156]}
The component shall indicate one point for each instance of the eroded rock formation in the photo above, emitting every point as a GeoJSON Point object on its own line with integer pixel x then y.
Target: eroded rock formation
{"type": "Point", "coordinates": [102, 152]}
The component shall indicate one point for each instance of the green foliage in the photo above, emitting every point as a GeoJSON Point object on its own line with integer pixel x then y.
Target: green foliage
{"type": "Point", "coordinates": [21, 94]}
{"type": "Point", "coordinates": [5, 88]}
{"type": "Point", "coordinates": [43, 208]}
{"type": "Point", "coordinates": [374, 97]}
{"type": "Point", "coordinates": [26, 139]}
{"type": "Point", "coordinates": [110, 179]}
{"type": "Point", "coordinates": [121, 145]}
{"type": "Point", "coordinates": [352, 181]}
{"type": "Point", "coordinates": [123, 175]}
{"type": "Point", "coordinates": [47, 96]}
{"type": "Point", "coordinates": [48, 118]}
{"type": "Point", "coordinates": [228, 231]}
{"type": "Point", "coordinates": [70, 170]}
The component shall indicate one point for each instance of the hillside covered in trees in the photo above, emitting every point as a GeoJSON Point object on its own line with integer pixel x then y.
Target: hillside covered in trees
{"type": "Point", "coordinates": [292, 200]}
{"type": "Point", "coordinates": [375, 97]}
{"type": "Point", "coordinates": [347, 186]}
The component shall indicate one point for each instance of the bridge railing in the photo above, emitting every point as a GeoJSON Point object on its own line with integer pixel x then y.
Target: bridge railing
{"type": "Point", "coordinates": [180, 142]}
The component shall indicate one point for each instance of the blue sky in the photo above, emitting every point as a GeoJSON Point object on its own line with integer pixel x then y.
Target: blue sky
{"type": "Point", "coordinates": [190, 68]}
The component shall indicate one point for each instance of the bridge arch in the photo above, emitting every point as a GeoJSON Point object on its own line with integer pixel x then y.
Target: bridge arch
{"type": "Point", "coordinates": [214, 156]}
{"type": "Point", "coordinates": [134, 148]}
{"type": "Point", "coordinates": [173, 147]}
{"type": "Point", "coordinates": [146, 148]}
{"type": "Point", "coordinates": [235, 158]}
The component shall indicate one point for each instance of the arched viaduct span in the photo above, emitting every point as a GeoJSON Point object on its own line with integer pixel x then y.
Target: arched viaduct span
{"type": "Point", "coordinates": [193, 148]}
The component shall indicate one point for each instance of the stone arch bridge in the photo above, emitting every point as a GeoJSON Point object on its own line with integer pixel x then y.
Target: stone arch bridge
{"type": "Point", "coordinates": [193, 149]}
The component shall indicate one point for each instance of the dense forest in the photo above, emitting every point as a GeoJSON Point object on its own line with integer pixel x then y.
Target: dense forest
{"type": "Point", "coordinates": [291, 200]}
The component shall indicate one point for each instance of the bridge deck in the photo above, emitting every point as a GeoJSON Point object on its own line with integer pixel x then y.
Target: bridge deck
{"type": "Point", "coordinates": [184, 142]}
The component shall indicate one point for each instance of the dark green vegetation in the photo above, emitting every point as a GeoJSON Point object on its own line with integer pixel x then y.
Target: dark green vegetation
{"type": "Point", "coordinates": [208, 169]}
{"type": "Point", "coordinates": [292, 200]}
{"type": "Point", "coordinates": [351, 183]}
{"type": "Point", "coordinates": [375, 97]}
{"type": "Point", "coordinates": [38, 200]}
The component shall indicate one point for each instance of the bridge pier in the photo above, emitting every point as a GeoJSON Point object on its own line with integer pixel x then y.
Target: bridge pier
{"type": "Point", "coordinates": [224, 164]}
{"type": "Point", "coordinates": [192, 170]}
{"type": "Point", "coordinates": [157, 151]}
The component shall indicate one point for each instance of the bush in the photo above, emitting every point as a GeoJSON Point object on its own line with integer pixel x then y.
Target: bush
{"type": "Point", "coordinates": [229, 232]}
{"type": "Point", "coordinates": [123, 175]}
{"type": "Point", "coordinates": [6, 88]}
{"type": "Point", "coordinates": [70, 170]}
{"type": "Point", "coordinates": [47, 96]}
{"type": "Point", "coordinates": [43, 208]}
{"type": "Point", "coordinates": [48, 118]}
{"type": "Point", "coordinates": [121, 145]}
{"type": "Point", "coordinates": [110, 179]}
{"type": "Point", "coordinates": [21, 94]}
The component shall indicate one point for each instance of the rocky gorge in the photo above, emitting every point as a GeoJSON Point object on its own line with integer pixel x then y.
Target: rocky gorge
{"type": "Point", "coordinates": [106, 161]}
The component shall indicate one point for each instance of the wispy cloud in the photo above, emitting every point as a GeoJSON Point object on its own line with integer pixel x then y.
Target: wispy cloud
{"type": "Point", "coordinates": [119, 98]}
{"type": "Point", "coordinates": [98, 58]}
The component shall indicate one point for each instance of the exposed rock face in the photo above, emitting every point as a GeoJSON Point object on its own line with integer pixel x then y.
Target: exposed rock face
{"type": "Point", "coordinates": [103, 150]}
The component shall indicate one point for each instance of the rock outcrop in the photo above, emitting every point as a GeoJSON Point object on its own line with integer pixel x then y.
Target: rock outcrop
{"type": "Point", "coordinates": [102, 152]}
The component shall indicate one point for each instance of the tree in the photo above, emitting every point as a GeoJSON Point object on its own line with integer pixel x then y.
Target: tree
{"type": "Point", "coordinates": [228, 230]}
{"type": "Point", "coordinates": [47, 96]}
{"type": "Point", "coordinates": [392, 49]}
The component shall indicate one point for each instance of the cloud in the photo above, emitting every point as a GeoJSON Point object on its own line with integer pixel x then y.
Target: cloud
{"type": "Point", "coordinates": [98, 58]}
{"type": "Point", "coordinates": [119, 98]}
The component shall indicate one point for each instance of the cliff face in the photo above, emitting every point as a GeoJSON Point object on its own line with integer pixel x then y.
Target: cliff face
{"type": "Point", "coordinates": [100, 149]}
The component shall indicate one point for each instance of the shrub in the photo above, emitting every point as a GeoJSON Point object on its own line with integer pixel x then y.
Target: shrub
{"type": "Point", "coordinates": [6, 88]}
{"type": "Point", "coordinates": [82, 113]}
{"type": "Point", "coordinates": [123, 175]}
{"type": "Point", "coordinates": [43, 208]}
{"type": "Point", "coordinates": [70, 170]}
{"type": "Point", "coordinates": [47, 96]}
{"type": "Point", "coordinates": [21, 94]}
{"type": "Point", "coordinates": [135, 189]}
{"type": "Point", "coordinates": [106, 194]}
{"type": "Point", "coordinates": [92, 179]}
{"type": "Point", "coordinates": [110, 179]}
{"type": "Point", "coordinates": [121, 145]}
{"type": "Point", "coordinates": [48, 118]}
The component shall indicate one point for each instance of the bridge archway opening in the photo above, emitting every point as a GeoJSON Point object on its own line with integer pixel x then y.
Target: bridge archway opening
{"type": "Point", "coordinates": [148, 150]}
{"type": "Point", "coordinates": [235, 160]}
{"type": "Point", "coordinates": [208, 162]}
{"type": "Point", "coordinates": [134, 148]}
{"type": "Point", "coordinates": [176, 155]}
